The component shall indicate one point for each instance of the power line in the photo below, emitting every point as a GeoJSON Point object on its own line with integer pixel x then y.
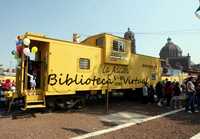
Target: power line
{"type": "Point", "coordinates": [164, 32]}
{"type": "Point", "coordinates": [175, 32]}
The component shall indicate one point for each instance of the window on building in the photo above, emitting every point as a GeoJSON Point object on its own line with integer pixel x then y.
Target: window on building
{"type": "Point", "coordinates": [118, 46]}
{"type": "Point", "coordinates": [100, 42]}
{"type": "Point", "coordinates": [84, 63]}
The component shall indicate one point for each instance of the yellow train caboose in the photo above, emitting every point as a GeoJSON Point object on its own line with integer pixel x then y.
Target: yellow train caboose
{"type": "Point", "coordinates": [98, 64]}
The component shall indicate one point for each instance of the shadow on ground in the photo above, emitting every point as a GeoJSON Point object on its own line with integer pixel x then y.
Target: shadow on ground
{"type": "Point", "coordinates": [76, 130]}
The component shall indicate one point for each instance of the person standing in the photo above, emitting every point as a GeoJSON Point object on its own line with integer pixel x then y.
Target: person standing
{"type": "Point", "coordinates": [190, 96]}
{"type": "Point", "coordinates": [175, 96]}
{"type": "Point", "coordinates": [145, 94]}
{"type": "Point", "coordinates": [1, 94]}
{"type": "Point", "coordinates": [197, 87]}
{"type": "Point", "coordinates": [168, 92]}
{"type": "Point", "coordinates": [32, 81]}
{"type": "Point", "coordinates": [159, 93]}
{"type": "Point", "coordinates": [151, 93]}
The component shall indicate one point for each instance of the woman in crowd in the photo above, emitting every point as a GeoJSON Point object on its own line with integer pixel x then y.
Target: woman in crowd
{"type": "Point", "coordinates": [191, 92]}
{"type": "Point", "coordinates": [175, 96]}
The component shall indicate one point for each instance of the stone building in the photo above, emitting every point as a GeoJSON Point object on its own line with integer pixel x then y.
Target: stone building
{"type": "Point", "coordinates": [173, 58]}
{"type": "Point", "coordinates": [129, 35]}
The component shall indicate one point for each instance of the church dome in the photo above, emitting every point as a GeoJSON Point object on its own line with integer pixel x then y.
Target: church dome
{"type": "Point", "coordinates": [170, 50]}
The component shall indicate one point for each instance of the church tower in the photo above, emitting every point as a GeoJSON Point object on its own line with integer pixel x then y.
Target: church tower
{"type": "Point", "coordinates": [129, 35]}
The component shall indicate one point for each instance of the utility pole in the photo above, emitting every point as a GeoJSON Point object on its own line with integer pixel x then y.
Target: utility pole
{"type": "Point", "coordinates": [107, 95]}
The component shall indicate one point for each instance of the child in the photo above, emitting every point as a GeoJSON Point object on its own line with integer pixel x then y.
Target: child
{"type": "Point", "coordinates": [32, 81]}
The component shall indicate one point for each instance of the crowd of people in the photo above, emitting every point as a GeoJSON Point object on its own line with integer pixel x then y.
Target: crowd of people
{"type": "Point", "coordinates": [172, 94]}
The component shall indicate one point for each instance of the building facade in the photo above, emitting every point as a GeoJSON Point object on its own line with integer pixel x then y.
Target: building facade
{"type": "Point", "coordinates": [173, 58]}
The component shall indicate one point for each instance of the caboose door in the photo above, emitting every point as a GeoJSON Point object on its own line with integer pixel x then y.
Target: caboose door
{"type": "Point", "coordinates": [36, 67]}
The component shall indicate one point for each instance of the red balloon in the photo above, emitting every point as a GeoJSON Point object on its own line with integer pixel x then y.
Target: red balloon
{"type": "Point", "coordinates": [19, 50]}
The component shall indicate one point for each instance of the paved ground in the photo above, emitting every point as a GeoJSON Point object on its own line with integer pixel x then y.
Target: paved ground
{"type": "Point", "coordinates": [67, 124]}
{"type": "Point", "coordinates": [177, 126]}
{"type": "Point", "coordinates": [123, 117]}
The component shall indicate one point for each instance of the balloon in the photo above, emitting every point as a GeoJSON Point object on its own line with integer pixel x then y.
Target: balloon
{"type": "Point", "coordinates": [19, 50]}
{"type": "Point", "coordinates": [26, 51]}
{"type": "Point", "coordinates": [26, 41]}
{"type": "Point", "coordinates": [19, 42]}
{"type": "Point", "coordinates": [13, 52]}
{"type": "Point", "coordinates": [16, 57]}
{"type": "Point", "coordinates": [32, 56]}
{"type": "Point", "coordinates": [19, 37]}
{"type": "Point", "coordinates": [18, 61]}
{"type": "Point", "coordinates": [34, 49]}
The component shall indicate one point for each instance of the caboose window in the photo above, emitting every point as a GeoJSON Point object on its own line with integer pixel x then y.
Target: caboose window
{"type": "Point", "coordinates": [100, 42]}
{"type": "Point", "coordinates": [153, 76]}
{"type": "Point", "coordinates": [84, 63]}
{"type": "Point", "coordinates": [118, 46]}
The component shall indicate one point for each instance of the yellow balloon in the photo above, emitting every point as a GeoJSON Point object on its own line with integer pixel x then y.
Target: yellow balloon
{"type": "Point", "coordinates": [34, 49]}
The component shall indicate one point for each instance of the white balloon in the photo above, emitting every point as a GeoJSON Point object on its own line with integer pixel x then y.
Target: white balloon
{"type": "Point", "coordinates": [26, 41]}
{"type": "Point", "coordinates": [26, 51]}
{"type": "Point", "coordinates": [32, 56]}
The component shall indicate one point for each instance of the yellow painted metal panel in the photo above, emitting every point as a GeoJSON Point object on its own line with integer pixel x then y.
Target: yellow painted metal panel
{"type": "Point", "coordinates": [65, 75]}
{"type": "Point", "coordinates": [115, 57]}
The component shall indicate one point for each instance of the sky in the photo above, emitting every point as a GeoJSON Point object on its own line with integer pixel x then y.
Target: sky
{"type": "Point", "coordinates": [152, 21]}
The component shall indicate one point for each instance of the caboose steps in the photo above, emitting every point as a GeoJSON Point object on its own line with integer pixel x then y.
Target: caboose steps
{"type": "Point", "coordinates": [35, 106]}
{"type": "Point", "coordinates": [34, 100]}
